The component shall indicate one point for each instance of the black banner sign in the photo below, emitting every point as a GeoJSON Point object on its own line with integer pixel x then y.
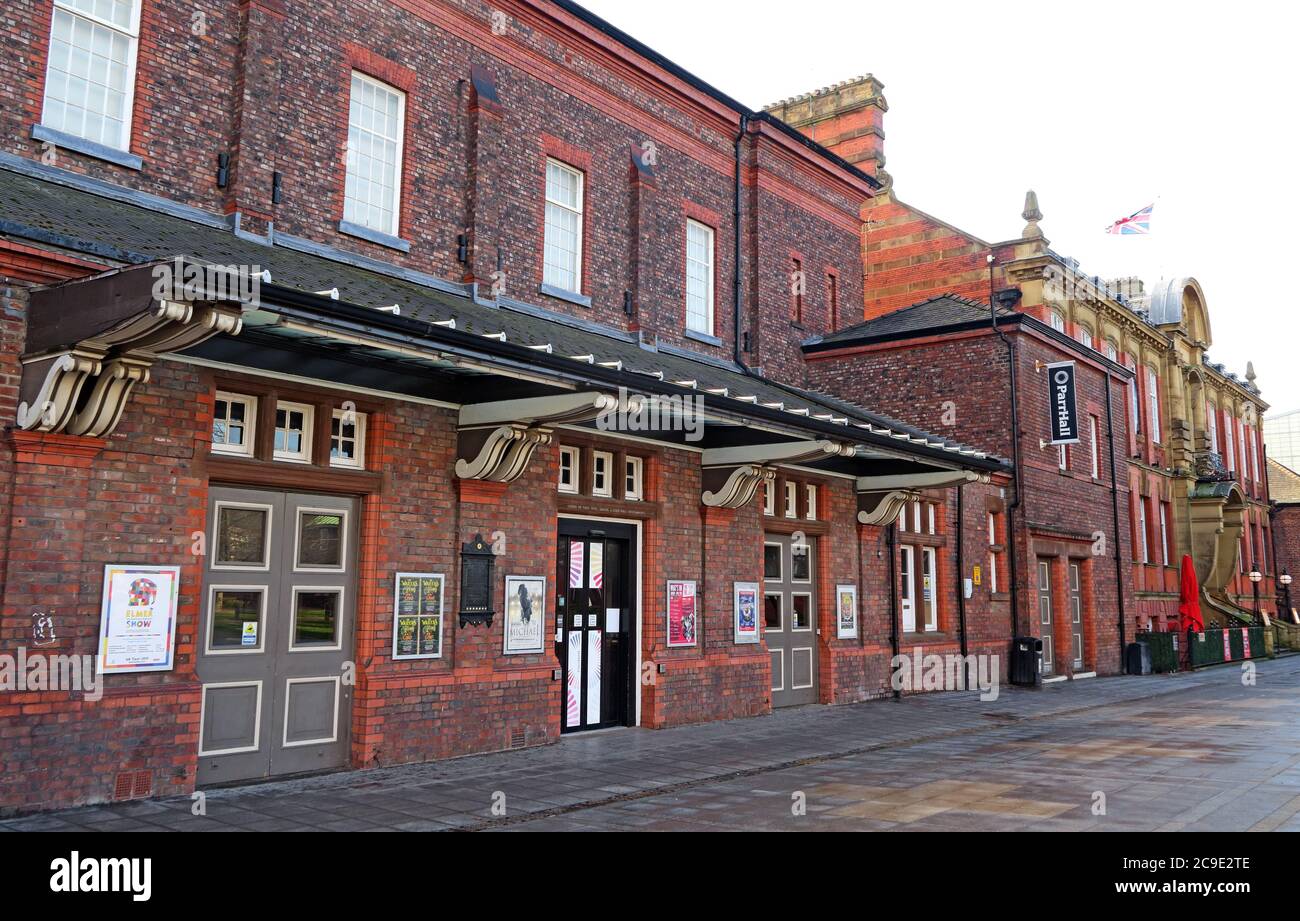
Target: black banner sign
{"type": "Point", "coordinates": [1063, 398]}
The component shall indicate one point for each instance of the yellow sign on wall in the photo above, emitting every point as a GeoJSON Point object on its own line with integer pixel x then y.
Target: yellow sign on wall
{"type": "Point", "coordinates": [975, 576]}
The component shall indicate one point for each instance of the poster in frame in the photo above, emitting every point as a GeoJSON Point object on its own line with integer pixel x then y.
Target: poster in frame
{"type": "Point", "coordinates": [137, 618]}
{"type": "Point", "coordinates": [745, 612]}
{"type": "Point", "coordinates": [525, 621]}
{"type": "Point", "coordinates": [846, 612]}
{"type": "Point", "coordinates": [418, 616]}
{"type": "Point", "coordinates": [683, 613]}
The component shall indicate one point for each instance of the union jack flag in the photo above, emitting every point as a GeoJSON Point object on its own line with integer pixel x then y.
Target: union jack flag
{"type": "Point", "coordinates": [1139, 223]}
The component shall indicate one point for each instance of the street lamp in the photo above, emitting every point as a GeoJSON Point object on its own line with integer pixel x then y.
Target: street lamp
{"type": "Point", "coordinates": [1285, 581]}
{"type": "Point", "coordinates": [1256, 577]}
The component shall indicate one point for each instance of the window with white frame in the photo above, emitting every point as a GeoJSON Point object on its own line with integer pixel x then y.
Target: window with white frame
{"type": "Point", "coordinates": [902, 520]}
{"type": "Point", "coordinates": [1153, 403]}
{"type": "Point", "coordinates": [810, 493]}
{"type": "Point", "coordinates": [90, 75]}
{"type": "Point", "coordinates": [1112, 351]}
{"type": "Point", "coordinates": [1095, 445]}
{"type": "Point", "coordinates": [373, 188]}
{"type": "Point", "coordinates": [993, 555]}
{"type": "Point", "coordinates": [1212, 426]}
{"type": "Point", "coordinates": [602, 468]}
{"type": "Point", "coordinates": [1164, 533]}
{"type": "Point", "coordinates": [1085, 336]}
{"type": "Point", "coordinates": [293, 430]}
{"type": "Point", "coordinates": [769, 498]}
{"type": "Point", "coordinates": [1058, 322]}
{"type": "Point", "coordinates": [1063, 457]}
{"type": "Point", "coordinates": [929, 513]}
{"type": "Point", "coordinates": [699, 277]}
{"type": "Point", "coordinates": [1134, 418]}
{"type": "Point", "coordinates": [1143, 537]}
{"type": "Point", "coordinates": [1241, 445]}
{"type": "Point", "coordinates": [562, 249]}
{"type": "Point", "coordinates": [791, 500]}
{"type": "Point", "coordinates": [1251, 455]}
{"type": "Point", "coordinates": [233, 420]}
{"type": "Point", "coordinates": [916, 517]}
{"type": "Point", "coordinates": [570, 463]}
{"type": "Point", "coordinates": [633, 472]}
{"type": "Point", "coordinates": [348, 439]}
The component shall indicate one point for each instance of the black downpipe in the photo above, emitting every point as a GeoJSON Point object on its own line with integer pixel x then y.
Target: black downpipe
{"type": "Point", "coordinates": [1015, 460]}
{"type": "Point", "coordinates": [961, 569]}
{"type": "Point", "coordinates": [891, 539]}
{"type": "Point", "coordinates": [739, 284]}
{"type": "Point", "coordinates": [1114, 502]}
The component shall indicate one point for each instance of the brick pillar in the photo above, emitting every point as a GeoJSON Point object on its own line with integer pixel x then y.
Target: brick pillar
{"type": "Point", "coordinates": [256, 138]}
{"type": "Point", "coordinates": [483, 211]}
{"type": "Point", "coordinates": [643, 185]}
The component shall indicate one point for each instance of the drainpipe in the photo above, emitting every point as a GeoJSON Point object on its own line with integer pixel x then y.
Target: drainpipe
{"type": "Point", "coordinates": [893, 599]}
{"type": "Point", "coordinates": [961, 569]}
{"type": "Point", "coordinates": [1114, 503]}
{"type": "Point", "coordinates": [737, 296]}
{"type": "Point", "coordinates": [1015, 458]}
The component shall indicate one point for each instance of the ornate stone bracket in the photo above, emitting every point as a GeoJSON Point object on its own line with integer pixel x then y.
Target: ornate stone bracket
{"type": "Point", "coordinates": [115, 360]}
{"type": "Point", "coordinates": [734, 487]}
{"type": "Point", "coordinates": [882, 508]}
{"type": "Point", "coordinates": [501, 454]}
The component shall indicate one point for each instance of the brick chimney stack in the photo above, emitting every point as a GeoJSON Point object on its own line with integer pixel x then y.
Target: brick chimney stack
{"type": "Point", "coordinates": [848, 118]}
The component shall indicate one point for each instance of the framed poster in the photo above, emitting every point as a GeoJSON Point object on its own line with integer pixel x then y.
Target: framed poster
{"type": "Point", "coordinates": [683, 613]}
{"type": "Point", "coordinates": [846, 612]}
{"type": "Point", "coordinates": [525, 614]}
{"type": "Point", "coordinates": [418, 599]}
{"type": "Point", "coordinates": [745, 612]}
{"type": "Point", "coordinates": [137, 618]}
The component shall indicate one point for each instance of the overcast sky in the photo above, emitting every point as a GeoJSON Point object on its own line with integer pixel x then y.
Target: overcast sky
{"type": "Point", "coordinates": [1100, 107]}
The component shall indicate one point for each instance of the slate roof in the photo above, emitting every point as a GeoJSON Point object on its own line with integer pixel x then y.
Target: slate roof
{"type": "Point", "coordinates": [1283, 484]}
{"type": "Point", "coordinates": [89, 222]}
{"type": "Point", "coordinates": [936, 313]}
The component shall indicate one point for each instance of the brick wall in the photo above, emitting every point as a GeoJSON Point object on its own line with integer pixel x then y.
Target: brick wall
{"type": "Point", "coordinates": [1286, 536]}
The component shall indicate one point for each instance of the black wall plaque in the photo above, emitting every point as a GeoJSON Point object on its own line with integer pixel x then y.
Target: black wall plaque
{"type": "Point", "coordinates": [476, 564]}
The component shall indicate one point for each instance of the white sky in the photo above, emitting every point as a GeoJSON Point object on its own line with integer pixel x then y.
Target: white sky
{"type": "Point", "coordinates": [1100, 107]}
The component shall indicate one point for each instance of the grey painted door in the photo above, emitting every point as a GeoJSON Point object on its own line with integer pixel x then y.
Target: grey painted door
{"type": "Point", "coordinates": [790, 619]}
{"type": "Point", "coordinates": [1076, 616]}
{"type": "Point", "coordinates": [276, 627]}
{"type": "Point", "coordinates": [1046, 627]}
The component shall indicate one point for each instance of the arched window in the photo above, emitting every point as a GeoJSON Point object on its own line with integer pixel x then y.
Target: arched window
{"type": "Point", "coordinates": [1058, 322]}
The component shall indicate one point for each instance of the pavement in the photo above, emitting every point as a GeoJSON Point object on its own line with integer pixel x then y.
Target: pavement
{"type": "Point", "coordinates": [1211, 750]}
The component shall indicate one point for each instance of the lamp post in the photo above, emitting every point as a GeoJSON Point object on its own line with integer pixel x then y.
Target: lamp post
{"type": "Point", "coordinates": [1285, 581]}
{"type": "Point", "coordinates": [1256, 577]}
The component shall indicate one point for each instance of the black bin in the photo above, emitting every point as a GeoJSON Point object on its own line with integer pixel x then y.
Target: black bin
{"type": "Point", "coordinates": [1137, 659]}
{"type": "Point", "coordinates": [1026, 661]}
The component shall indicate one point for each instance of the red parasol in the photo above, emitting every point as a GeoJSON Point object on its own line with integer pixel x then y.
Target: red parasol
{"type": "Point", "coordinates": [1189, 605]}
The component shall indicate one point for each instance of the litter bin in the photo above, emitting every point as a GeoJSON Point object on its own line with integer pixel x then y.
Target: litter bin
{"type": "Point", "coordinates": [1026, 661]}
{"type": "Point", "coordinates": [1138, 659]}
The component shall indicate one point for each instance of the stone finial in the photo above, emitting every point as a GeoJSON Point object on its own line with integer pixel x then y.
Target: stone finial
{"type": "Point", "coordinates": [1250, 371]}
{"type": "Point", "coordinates": [1033, 216]}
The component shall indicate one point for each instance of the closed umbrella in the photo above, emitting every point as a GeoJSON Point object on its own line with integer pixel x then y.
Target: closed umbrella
{"type": "Point", "coordinates": [1189, 604]}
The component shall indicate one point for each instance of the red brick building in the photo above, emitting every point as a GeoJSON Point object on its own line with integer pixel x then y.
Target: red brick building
{"type": "Point", "coordinates": [1284, 487]}
{"type": "Point", "coordinates": [1179, 432]}
{"type": "Point", "coordinates": [386, 381]}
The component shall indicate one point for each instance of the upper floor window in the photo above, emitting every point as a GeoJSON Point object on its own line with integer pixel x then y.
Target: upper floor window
{"type": "Point", "coordinates": [1095, 443]}
{"type": "Point", "coordinates": [233, 418]}
{"type": "Point", "coordinates": [1230, 442]}
{"type": "Point", "coordinates": [1153, 403]}
{"type": "Point", "coordinates": [1058, 322]}
{"type": "Point", "coordinates": [993, 552]}
{"type": "Point", "coordinates": [1164, 533]}
{"type": "Point", "coordinates": [633, 470]}
{"type": "Point", "coordinates": [372, 191]}
{"type": "Point", "coordinates": [1144, 546]}
{"type": "Point", "coordinates": [798, 282]}
{"type": "Point", "coordinates": [810, 501]}
{"type": "Point", "coordinates": [293, 432]}
{"type": "Point", "coordinates": [570, 461]}
{"type": "Point", "coordinates": [348, 439]}
{"type": "Point", "coordinates": [1085, 336]}
{"type": "Point", "coordinates": [1212, 426]}
{"type": "Point", "coordinates": [1112, 351]}
{"type": "Point", "coordinates": [602, 469]}
{"type": "Point", "coordinates": [90, 77]}
{"type": "Point", "coordinates": [563, 245]}
{"type": "Point", "coordinates": [699, 277]}
{"type": "Point", "coordinates": [1251, 455]}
